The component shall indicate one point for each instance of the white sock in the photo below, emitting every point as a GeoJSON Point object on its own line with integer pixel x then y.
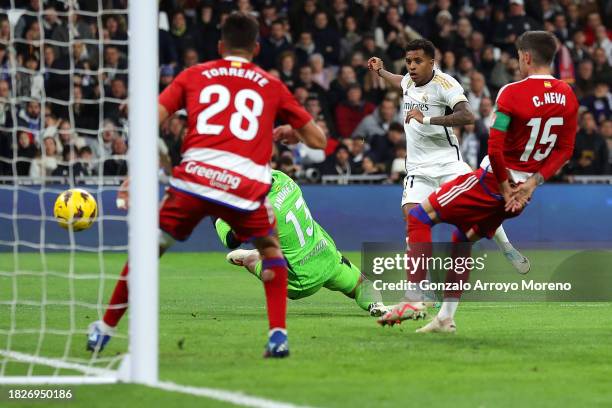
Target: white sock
{"type": "Point", "coordinates": [501, 239]}
{"type": "Point", "coordinates": [272, 330]}
{"type": "Point", "coordinates": [448, 309]}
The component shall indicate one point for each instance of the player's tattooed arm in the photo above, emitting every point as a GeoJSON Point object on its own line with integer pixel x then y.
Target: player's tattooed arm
{"type": "Point", "coordinates": [521, 195]}
{"type": "Point", "coordinates": [462, 115]}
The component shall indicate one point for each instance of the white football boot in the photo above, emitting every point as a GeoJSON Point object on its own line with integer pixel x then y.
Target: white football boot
{"type": "Point", "coordinates": [239, 256]}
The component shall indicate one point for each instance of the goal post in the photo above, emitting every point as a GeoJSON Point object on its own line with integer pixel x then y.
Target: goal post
{"type": "Point", "coordinates": [143, 216]}
{"type": "Point", "coordinates": [47, 296]}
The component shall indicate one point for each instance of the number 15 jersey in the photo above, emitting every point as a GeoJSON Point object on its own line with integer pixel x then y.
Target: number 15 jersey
{"type": "Point", "coordinates": [539, 116]}
{"type": "Point", "coordinates": [231, 105]}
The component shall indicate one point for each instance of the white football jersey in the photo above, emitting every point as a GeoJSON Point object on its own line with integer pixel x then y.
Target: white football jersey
{"type": "Point", "coordinates": [429, 147]}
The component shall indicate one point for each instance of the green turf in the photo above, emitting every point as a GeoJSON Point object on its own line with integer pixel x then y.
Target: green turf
{"type": "Point", "coordinates": [213, 328]}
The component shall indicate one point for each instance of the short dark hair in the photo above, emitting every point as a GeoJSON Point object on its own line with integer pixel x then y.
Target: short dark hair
{"type": "Point", "coordinates": [422, 44]}
{"type": "Point", "coordinates": [396, 127]}
{"type": "Point", "coordinates": [541, 44]}
{"type": "Point", "coordinates": [239, 32]}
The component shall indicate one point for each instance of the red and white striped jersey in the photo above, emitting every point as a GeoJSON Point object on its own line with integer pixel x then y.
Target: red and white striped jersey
{"type": "Point", "coordinates": [231, 105]}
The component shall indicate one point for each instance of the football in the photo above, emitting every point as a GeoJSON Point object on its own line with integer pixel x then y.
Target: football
{"type": "Point", "coordinates": [76, 209]}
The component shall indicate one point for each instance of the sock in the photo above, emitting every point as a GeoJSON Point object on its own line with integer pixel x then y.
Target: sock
{"type": "Point", "coordinates": [461, 248]}
{"type": "Point", "coordinates": [448, 308]}
{"type": "Point", "coordinates": [419, 241]}
{"type": "Point", "coordinates": [119, 297]}
{"type": "Point", "coordinates": [276, 292]}
{"type": "Point", "coordinates": [365, 295]}
{"type": "Point", "coordinates": [501, 239]}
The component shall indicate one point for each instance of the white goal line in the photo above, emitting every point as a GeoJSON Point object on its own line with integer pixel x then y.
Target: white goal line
{"type": "Point", "coordinates": [100, 373]}
{"type": "Point", "coordinates": [232, 397]}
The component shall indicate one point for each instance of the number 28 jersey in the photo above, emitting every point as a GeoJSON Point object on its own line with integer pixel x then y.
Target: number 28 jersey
{"type": "Point", "coordinates": [542, 113]}
{"type": "Point", "coordinates": [231, 105]}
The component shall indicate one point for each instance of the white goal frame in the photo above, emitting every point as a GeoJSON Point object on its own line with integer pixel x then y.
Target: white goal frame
{"type": "Point", "coordinates": [140, 365]}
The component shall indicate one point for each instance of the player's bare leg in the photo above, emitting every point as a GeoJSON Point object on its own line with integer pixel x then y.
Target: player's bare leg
{"type": "Point", "coordinates": [518, 260]}
{"type": "Point", "coordinates": [274, 278]}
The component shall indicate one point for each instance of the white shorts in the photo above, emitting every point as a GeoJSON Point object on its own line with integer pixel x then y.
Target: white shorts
{"type": "Point", "coordinates": [418, 187]}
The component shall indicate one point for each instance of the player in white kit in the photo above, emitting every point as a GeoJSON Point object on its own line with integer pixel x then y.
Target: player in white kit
{"type": "Point", "coordinates": [434, 102]}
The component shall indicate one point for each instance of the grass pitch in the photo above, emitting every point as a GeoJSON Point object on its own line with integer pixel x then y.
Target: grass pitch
{"type": "Point", "coordinates": [213, 329]}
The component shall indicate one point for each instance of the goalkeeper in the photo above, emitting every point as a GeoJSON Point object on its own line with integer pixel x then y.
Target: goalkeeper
{"type": "Point", "coordinates": [312, 258]}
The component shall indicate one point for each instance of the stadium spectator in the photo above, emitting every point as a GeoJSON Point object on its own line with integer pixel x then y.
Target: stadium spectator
{"type": "Point", "coordinates": [30, 82]}
{"type": "Point", "coordinates": [398, 165]}
{"type": "Point", "coordinates": [369, 167]}
{"type": "Point", "coordinates": [68, 167]}
{"type": "Point", "coordinates": [600, 102]}
{"type": "Point", "coordinates": [378, 122]}
{"type": "Point", "coordinates": [606, 133]}
{"type": "Point", "coordinates": [321, 75]}
{"type": "Point", "coordinates": [382, 145]}
{"type": "Point", "coordinates": [30, 117]}
{"type": "Point", "coordinates": [470, 146]}
{"type": "Point", "coordinates": [275, 46]}
{"type": "Point", "coordinates": [115, 32]}
{"type": "Point", "coordinates": [86, 163]}
{"type": "Point", "coordinates": [173, 138]}
{"type": "Point", "coordinates": [604, 42]}
{"type": "Point", "coordinates": [413, 17]}
{"type": "Point", "coordinates": [166, 75]}
{"type": "Point", "coordinates": [330, 41]}
{"type": "Point", "coordinates": [486, 117]}
{"type": "Point", "coordinates": [352, 111]}
{"type": "Point", "coordinates": [585, 84]}
{"type": "Point", "coordinates": [339, 86]}
{"type": "Point", "coordinates": [591, 151]}
{"type": "Point", "coordinates": [47, 161]}
{"type": "Point", "coordinates": [478, 90]}
{"type": "Point", "coordinates": [190, 58]}
{"type": "Point", "coordinates": [350, 37]}
{"type": "Point", "coordinates": [205, 34]}
{"type": "Point", "coordinates": [86, 114]}
{"type": "Point", "coordinates": [338, 164]}
{"type": "Point", "coordinates": [602, 72]}
{"type": "Point", "coordinates": [115, 105]}
{"type": "Point", "coordinates": [305, 48]}
{"type": "Point", "coordinates": [117, 165]}
{"type": "Point", "coordinates": [286, 69]}
{"type": "Point", "coordinates": [306, 81]}
{"type": "Point", "coordinates": [68, 137]}
{"type": "Point", "coordinates": [516, 24]}
{"type": "Point", "coordinates": [26, 151]}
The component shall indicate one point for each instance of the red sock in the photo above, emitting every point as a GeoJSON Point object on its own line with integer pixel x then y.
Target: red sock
{"type": "Point", "coordinates": [462, 248]}
{"type": "Point", "coordinates": [119, 297]}
{"type": "Point", "coordinates": [276, 292]}
{"type": "Point", "coordinates": [419, 244]}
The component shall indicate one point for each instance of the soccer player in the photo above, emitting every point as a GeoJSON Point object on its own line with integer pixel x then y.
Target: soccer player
{"type": "Point", "coordinates": [312, 258]}
{"type": "Point", "coordinates": [433, 157]}
{"type": "Point", "coordinates": [231, 107]}
{"type": "Point", "coordinates": [531, 139]}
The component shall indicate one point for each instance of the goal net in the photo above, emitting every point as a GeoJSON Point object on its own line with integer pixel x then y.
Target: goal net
{"type": "Point", "coordinates": [63, 124]}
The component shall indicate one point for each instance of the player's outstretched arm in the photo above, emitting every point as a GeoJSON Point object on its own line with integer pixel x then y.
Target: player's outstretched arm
{"type": "Point", "coordinates": [310, 134]}
{"type": "Point", "coordinates": [375, 64]}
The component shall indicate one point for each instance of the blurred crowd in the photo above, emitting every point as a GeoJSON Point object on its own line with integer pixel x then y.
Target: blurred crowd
{"type": "Point", "coordinates": [63, 76]}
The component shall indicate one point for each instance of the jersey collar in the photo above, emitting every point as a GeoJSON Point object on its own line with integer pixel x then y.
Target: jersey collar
{"type": "Point", "coordinates": [430, 79]}
{"type": "Point", "coordinates": [236, 59]}
{"type": "Point", "coordinates": [541, 76]}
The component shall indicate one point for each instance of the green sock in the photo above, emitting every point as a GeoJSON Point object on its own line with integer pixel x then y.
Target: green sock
{"type": "Point", "coordinates": [365, 295]}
